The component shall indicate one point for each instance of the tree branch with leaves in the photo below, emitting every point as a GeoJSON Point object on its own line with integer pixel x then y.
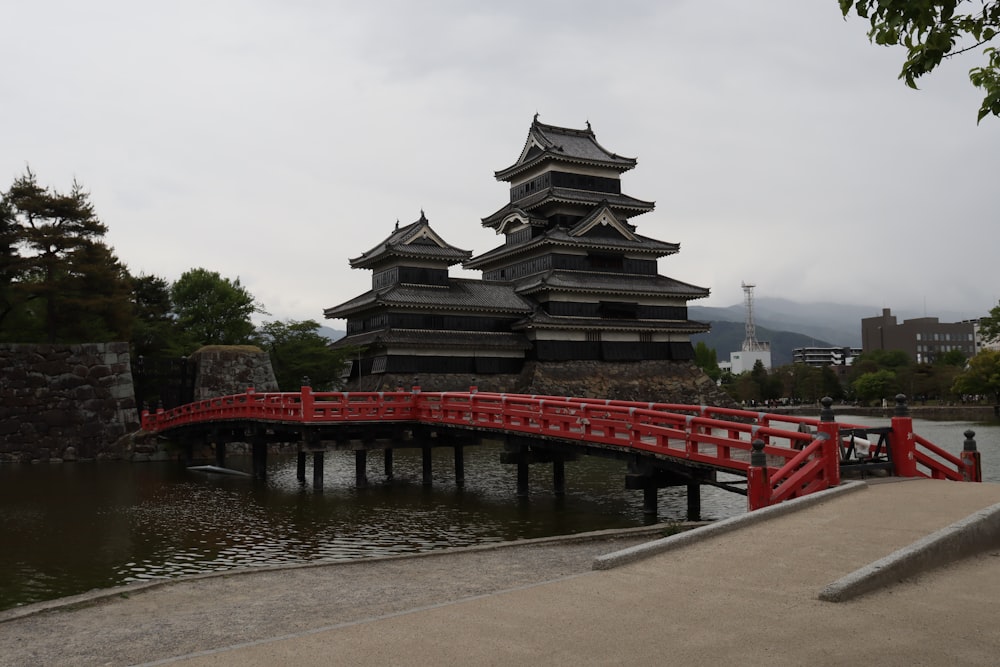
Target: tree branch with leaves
{"type": "Point", "coordinates": [933, 30]}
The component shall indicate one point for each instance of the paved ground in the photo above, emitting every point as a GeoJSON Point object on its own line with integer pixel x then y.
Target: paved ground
{"type": "Point", "coordinates": [747, 596]}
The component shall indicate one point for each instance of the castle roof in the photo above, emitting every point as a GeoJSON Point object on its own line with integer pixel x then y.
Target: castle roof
{"type": "Point", "coordinates": [606, 284]}
{"type": "Point", "coordinates": [437, 338]}
{"type": "Point", "coordinates": [563, 144]}
{"type": "Point", "coordinates": [542, 320]}
{"type": "Point", "coordinates": [460, 294]}
{"type": "Point", "coordinates": [416, 240]}
{"type": "Point", "coordinates": [577, 237]}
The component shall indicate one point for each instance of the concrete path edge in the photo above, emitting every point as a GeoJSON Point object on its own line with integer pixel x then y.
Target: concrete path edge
{"type": "Point", "coordinates": [640, 551]}
{"type": "Point", "coordinates": [974, 534]}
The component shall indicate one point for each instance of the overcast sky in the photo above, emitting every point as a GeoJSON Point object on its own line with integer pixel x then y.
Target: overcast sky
{"type": "Point", "coordinates": [272, 140]}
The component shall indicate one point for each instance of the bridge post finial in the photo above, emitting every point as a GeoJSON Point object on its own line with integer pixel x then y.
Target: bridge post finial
{"type": "Point", "coordinates": [758, 482]}
{"type": "Point", "coordinates": [972, 470]}
{"type": "Point", "coordinates": [901, 443]}
{"type": "Point", "coordinates": [826, 413]}
{"type": "Point", "coordinates": [831, 447]}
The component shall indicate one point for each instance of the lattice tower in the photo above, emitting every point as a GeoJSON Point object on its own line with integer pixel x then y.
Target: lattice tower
{"type": "Point", "coordinates": [750, 343]}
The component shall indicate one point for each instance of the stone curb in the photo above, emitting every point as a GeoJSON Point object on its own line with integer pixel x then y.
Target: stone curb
{"type": "Point", "coordinates": [640, 551]}
{"type": "Point", "coordinates": [975, 533]}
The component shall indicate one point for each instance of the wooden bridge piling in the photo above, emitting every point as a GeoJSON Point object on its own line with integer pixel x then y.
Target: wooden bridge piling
{"type": "Point", "coordinates": [300, 466]}
{"type": "Point", "coordinates": [387, 463]}
{"type": "Point", "coordinates": [318, 470]}
{"type": "Point", "coordinates": [361, 468]}
{"type": "Point", "coordinates": [426, 465]}
{"type": "Point", "coordinates": [559, 476]}
{"type": "Point", "coordinates": [459, 466]}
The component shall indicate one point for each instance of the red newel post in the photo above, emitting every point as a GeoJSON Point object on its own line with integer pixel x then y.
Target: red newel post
{"type": "Point", "coordinates": [972, 470]}
{"type": "Point", "coordinates": [758, 478]}
{"type": "Point", "coordinates": [307, 404]}
{"type": "Point", "coordinates": [901, 441]}
{"type": "Point", "coordinates": [831, 447]}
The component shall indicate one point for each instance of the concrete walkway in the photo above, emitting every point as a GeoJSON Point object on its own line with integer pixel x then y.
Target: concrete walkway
{"type": "Point", "coordinates": [742, 596]}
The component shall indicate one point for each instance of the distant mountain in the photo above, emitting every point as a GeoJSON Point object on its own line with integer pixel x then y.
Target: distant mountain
{"type": "Point", "coordinates": [785, 324]}
{"type": "Point", "coordinates": [838, 324]}
{"type": "Point", "coordinates": [726, 337]}
{"type": "Point", "coordinates": [332, 334]}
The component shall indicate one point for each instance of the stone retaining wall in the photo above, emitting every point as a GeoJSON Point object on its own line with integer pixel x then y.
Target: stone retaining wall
{"type": "Point", "coordinates": [656, 381]}
{"type": "Point", "coordinates": [65, 402]}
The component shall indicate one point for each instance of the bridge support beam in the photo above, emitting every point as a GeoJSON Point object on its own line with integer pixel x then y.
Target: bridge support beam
{"type": "Point", "coordinates": [649, 501]}
{"type": "Point", "coordinates": [318, 470]}
{"type": "Point", "coordinates": [644, 474]}
{"type": "Point", "coordinates": [694, 501]}
{"type": "Point", "coordinates": [522, 478]}
{"type": "Point", "coordinates": [425, 456]}
{"type": "Point", "coordinates": [300, 466]}
{"type": "Point", "coordinates": [459, 466]}
{"type": "Point", "coordinates": [387, 462]}
{"type": "Point", "coordinates": [258, 447]}
{"type": "Point", "coordinates": [361, 468]}
{"type": "Point", "coordinates": [220, 453]}
{"type": "Point", "coordinates": [559, 477]}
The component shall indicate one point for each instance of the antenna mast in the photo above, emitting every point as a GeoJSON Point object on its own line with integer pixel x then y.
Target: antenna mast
{"type": "Point", "coordinates": [750, 343]}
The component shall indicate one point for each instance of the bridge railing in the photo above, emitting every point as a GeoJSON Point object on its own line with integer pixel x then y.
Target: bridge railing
{"type": "Point", "coordinates": [783, 456]}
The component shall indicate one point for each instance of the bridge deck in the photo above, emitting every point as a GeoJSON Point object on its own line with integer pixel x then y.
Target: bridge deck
{"type": "Point", "coordinates": [747, 597]}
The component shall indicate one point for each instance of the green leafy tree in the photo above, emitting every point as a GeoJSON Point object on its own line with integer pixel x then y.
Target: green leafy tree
{"type": "Point", "coordinates": [706, 359]}
{"type": "Point", "coordinates": [989, 327]}
{"type": "Point", "coordinates": [875, 386]}
{"type": "Point", "coordinates": [154, 330]}
{"type": "Point", "coordinates": [300, 354]}
{"type": "Point", "coordinates": [808, 384]}
{"type": "Point", "coordinates": [58, 280]}
{"type": "Point", "coordinates": [933, 30]}
{"type": "Point", "coordinates": [981, 377]}
{"type": "Point", "coordinates": [212, 310]}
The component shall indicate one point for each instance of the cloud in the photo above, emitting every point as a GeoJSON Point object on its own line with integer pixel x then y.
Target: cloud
{"type": "Point", "coordinates": [273, 141]}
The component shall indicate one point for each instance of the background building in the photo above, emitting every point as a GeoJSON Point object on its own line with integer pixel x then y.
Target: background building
{"type": "Point", "coordinates": [825, 356]}
{"type": "Point", "coordinates": [924, 339]}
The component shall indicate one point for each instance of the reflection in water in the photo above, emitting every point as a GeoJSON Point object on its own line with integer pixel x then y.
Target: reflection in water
{"type": "Point", "coordinates": [68, 528]}
{"type": "Point", "coordinates": [73, 527]}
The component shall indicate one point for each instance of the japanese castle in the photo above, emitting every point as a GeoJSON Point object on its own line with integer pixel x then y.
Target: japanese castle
{"type": "Point", "coordinates": [573, 290]}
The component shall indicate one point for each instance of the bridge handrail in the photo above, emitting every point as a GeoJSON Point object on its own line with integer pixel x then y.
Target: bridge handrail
{"type": "Point", "coordinates": [797, 462]}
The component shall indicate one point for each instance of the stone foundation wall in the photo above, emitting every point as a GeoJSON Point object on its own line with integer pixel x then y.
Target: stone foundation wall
{"type": "Point", "coordinates": [653, 381]}
{"type": "Point", "coordinates": [223, 370]}
{"type": "Point", "coordinates": [65, 402]}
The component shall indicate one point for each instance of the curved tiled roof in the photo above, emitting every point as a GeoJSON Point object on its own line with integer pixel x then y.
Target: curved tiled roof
{"type": "Point", "coordinates": [549, 142]}
{"type": "Point", "coordinates": [543, 320]}
{"type": "Point", "coordinates": [596, 283]}
{"type": "Point", "coordinates": [460, 294]}
{"type": "Point", "coordinates": [641, 244]}
{"type": "Point", "coordinates": [571, 196]}
{"type": "Point", "coordinates": [414, 241]}
{"type": "Point", "coordinates": [503, 340]}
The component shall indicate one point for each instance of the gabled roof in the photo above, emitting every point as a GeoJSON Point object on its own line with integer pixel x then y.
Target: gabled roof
{"type": "Point", "coordinates": [542, 320]}
{"type": "Point", "coordinates": [637, 244]}
{"type": "Point", "coordinates": [623, 203]}
{"type": "Point", "coordinates": [469, 340]}
{"type": "Point", "coordinates": [597, 283]}
{"type": "Point", "coordinates": [461, 294]}
{"type": "Point", "coordinates": [563, 144]}
{"type": "Point", "coordinates": [517, 216]}
{"type": "Point", "coordinates": [414, 241]}
{"type": "Point", "coordinates": [604, 223]}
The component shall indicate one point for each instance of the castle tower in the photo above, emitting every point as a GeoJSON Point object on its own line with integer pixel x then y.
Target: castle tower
{"type": "Point", "coordinates": [571, 247]}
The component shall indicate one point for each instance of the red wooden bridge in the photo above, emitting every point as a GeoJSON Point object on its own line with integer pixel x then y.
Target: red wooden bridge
{"type": "Point", "coordinates": [780, 456]}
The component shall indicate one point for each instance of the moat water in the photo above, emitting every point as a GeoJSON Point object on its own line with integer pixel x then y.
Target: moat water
{"type": "Point", "coordinates": [69, 528]}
